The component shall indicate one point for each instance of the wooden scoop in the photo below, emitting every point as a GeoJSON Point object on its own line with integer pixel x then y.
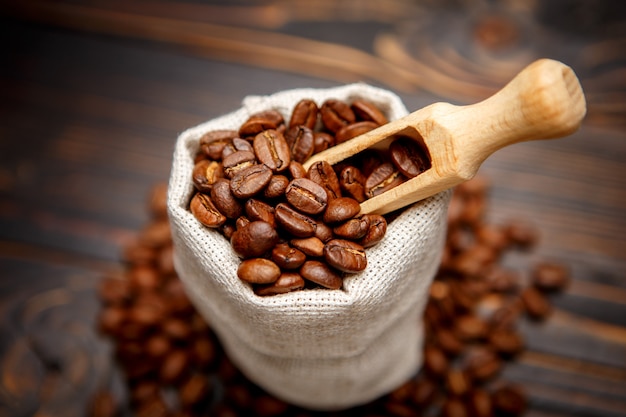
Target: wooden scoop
{"type": "Point", "coordinates": [543, 101]}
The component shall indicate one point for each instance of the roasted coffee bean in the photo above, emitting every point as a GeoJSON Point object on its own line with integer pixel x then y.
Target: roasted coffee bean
{"type": "Point", "coordinates": [549, 276]}
{"type": "Point", "coordinates": [301, 142]}
{"type": "Point", "coordinates": [536, 304]}
{"type": "Point", "coordinates": [322, 141]}
{"type": "Point", "coordinates": [276, 187]}
{"type": "Point", "coordinates": [366, 110]}
{"type": "Point", "coordinates": [258, 271]}
{"type": "Point", "coordinates": [522, 234]}
{"type": "Point", "coordinates": [254, 239]}
{"type": "Point", "coordinates": [448, 341]}
{"type": "Point", "coordinates": [335, 114]}
{"type": "Point", "coordinates": [237, 144]}
{"type": "Point", "coordinates": [435, 362]}
{"type": "Point", "coordinates": [296, 170]}
{"type": "Point", "coordinates": [424, 392]}
{"type": "Point", "coordinates": [272, 150]}
{"type": "Point", "coordinates": [409, 157]}
{"type": "Point", "coordinates": [482, 364]}
{"type": "Point", "coordinates": [493, 236]}
{"type": "Point", "coordinates": [479, 403]}
{"type": "Point", "coordinates": [353, 130]}
{"type": "Point", "coordinates": [321, 274]}
{"type": "Point", "coordinates": [304, 113]}
{"type": "Point", "coordinates": [502, 280]}
{"type": "Point", "coordinates": [259, 210]}
{"type": "Point", "coordinates": [174, 366]}
{"type": "Point", "coordinates": [323, 232]}
{"type": "Point", "coordinates": [457, 382]}
{"type": "Point", "coordinates": [237, 162]}
{"type": "Point", "coordinates": [224, 200]}
{"type": "Point", "coordinates": [158, 346]}
{"type": "Point", "coordinates": [353, 229]}
{"type": "Point", "coordinates": [250, 181]}
{"type": "Point", "coordinates": [352, 182]}
{"type": "Point", "coordinates": [506, 341]}
{"type": "Point", "coordinates": [509, 401]}
{"type": "Point", "coordinates": [310, 246]}
{"type": "Point", "coordinates": [470, 327]}
{"type": "Point", "coordinates": [205, 174]}
{"type": "Point", "coordinates": [205, 211]}
{"type": "Point", "coordinates": [383, 178]}
{"type": "Point", "coordinates": [241, 221]}
{"type": "Point", "coordinates": [258, 122]}
{"type": "Point", "coordinates": [505, 316]}
{"type": "Point", "coordinates": [194, 390]}
{"type": "Point", "coordinates": [306, 196]}
{"type": "Point", "coordinates": [212, 143]}
{"type": "Point", "coordinates": [286, 282]}
{"type": "Point", "coordinates": [294, 222]}
{"type": "Point", "coordinates": [287, 257]}
{"type": "Point", "coordinates": [345, 255]}
{"type": "Point", "coordinates": [341, 209]}
{"type": "Point", "coordinates": [376, 231]}
{"type": "Point", "coordinates": [323, 173]}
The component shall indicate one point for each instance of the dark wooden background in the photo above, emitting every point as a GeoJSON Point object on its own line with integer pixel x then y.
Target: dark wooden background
{"type": "Point", "coordinates": [93, 95]}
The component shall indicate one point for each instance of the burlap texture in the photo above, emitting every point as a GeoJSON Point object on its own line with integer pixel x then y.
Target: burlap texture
{"type": "Point", "coordinates": [320, 349]}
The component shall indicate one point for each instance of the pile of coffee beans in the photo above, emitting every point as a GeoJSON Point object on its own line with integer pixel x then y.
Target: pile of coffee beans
{"type": "Point", "coordinates": [294, 228]}
{"type": "Point", "coordinates": [174, 366]}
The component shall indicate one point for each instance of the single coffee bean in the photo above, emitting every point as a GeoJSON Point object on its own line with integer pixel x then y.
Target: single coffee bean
{"type": "Point", "coordinates": [228, 229]}
{"type": "Point", "coordinates": [287, 257]}
{"type": "Point", "coordinates": [237, 162]}
{"type": "Point", "coordinates": [345, 255]}
{"type": "Point", "coordinates": [353, 130]}
{"type": "Point", "coordinates": [470, 327]}
{"type": "Point", "coordinates": [212, 143]}
{"type": "Point", "coordinates": [306, 196]}
{"type": "Point", "coordinates": [301, 143]}
{"type": "Point", "coordinates": [448, 341]}
{"type": "Point", "coordinates": [323, 232]}
{"type": "Point", "coordinates": [286, 282]}
{"type": "Point", "coordinates": [237, 144]}
{"type": "Point", "coordinates": [224, 200]}
{"type": "Point", "coordinates": [537, 305]}
{"type": "Point", "coordinates": [259, 210]}
{"type": "Point", "coordinates": [321, 274]}
{"type": "Point", "coordinates": [548, 276]}
{"type": "Point", "coordinates": [310, 246]}
{"type": "Point", "coordinates": [173, 366]}
{"type": "Point", "coordinates": [258, 122]}
{"type": "Point", "coordinates": [493, 236]}
{"type": "Point", "coordinates": [522, 234]}
{"type": "Point", "coordinates": [408, 157]}
{"type": "Point", "coordinates": [365, 110]}
{"type": "Point", "coordinates": [353, 229]}
{"type": "Point", "coordinates": [276, 187]}
{"type": "Point", "coordinates": [254, 240]}
{"type": "Point", "coordinates": [241, 221]}
{"type": "Point", "coordinates": [336, 114]}
{"type": "Point", "coordinates": [509, 401]}
{"type": "Point", "coordinates": [296, 170]}
{"type": "Point", "coordinates": [294, 222]}
{"type": "Point", "coordinates": [457, 382]}
{"type": "Point", "coordinates": [435, 362]}
{"type": "Point", "coordinates": [258, 271]}
{"type": "Point", "coordinates": [482, 364]}
{"type": "Point", "coordinates": [250, 181]}
{"type": "Point", "coordinates": [383, 178]}
{"type": "Point", "coordinates": [352, 182]}
{"type": "Point", "coordinates": [205, 211]}
{"type": "Point", "coordinates": [376, 231]}
{"type": "Point", "coordinates": [502, 280]}
{"type": "Point", "coordinates": [205, 174]}
{"type": "Point", "coordinates": [323, 173]}
{"type": "Point", "coordinates": [341, 209]}
{"type": "Point", "coordinates": [479, 403]}
{"type": "Point", "coordinates": [304, 113]}
{"type": "Point", "coordinates": [505, 316]}
{"type": "Point", "coordinates": [194, 390]}
{"type": "Point", "coordinates": [322, 141]}
{"type": "Point", "coordinates": [424, 392]}
{"type": "Point", "coordinates": [272, 150]}
{"type": "Point", "coordinates": [506, 341]}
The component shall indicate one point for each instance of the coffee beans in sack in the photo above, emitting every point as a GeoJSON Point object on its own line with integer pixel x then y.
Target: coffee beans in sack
{"type": "Point", "coordinates": [316, 303]}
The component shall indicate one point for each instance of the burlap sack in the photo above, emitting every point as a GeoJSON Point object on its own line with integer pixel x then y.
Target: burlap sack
{"type": "Point", "coordinates": [320, 349]}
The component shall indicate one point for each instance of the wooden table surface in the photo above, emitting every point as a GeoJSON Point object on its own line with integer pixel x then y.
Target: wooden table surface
{"type": "Point", "coordinates": [93, 95]}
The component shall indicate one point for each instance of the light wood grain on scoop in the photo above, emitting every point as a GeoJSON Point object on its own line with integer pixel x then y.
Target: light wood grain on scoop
{"type": "Point", "coordinates": [544, 101]}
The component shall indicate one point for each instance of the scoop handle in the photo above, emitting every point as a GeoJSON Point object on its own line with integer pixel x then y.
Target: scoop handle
{"type": "Point", "coordinates": [545, 100]}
